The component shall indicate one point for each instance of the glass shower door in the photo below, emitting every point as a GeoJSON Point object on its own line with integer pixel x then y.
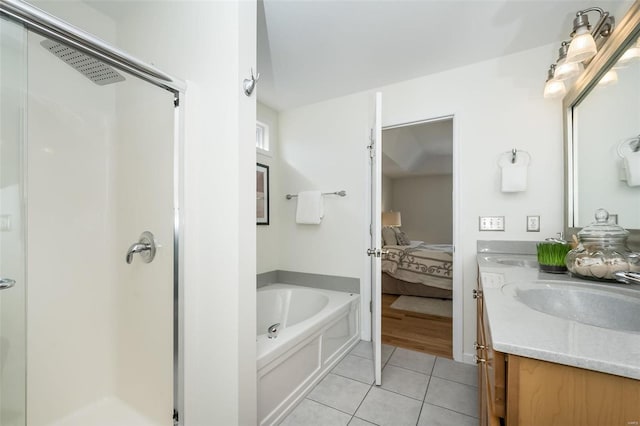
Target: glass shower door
{"type": "Point", "coordinates": [12, 241]}
{"type": "Point", "coordinates": [100, 173]}
{"type": "Point", "coordinates": [87, 164]}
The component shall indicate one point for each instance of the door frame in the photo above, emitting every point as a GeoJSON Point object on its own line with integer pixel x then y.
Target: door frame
{"type": "Point", "coordinates": [458, 281]}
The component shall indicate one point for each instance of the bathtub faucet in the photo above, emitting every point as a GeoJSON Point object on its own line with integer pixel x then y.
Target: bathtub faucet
{"type": "Point", "coordinates": [272, 331]}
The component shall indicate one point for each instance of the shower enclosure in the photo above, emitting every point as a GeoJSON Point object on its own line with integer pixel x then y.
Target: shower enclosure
{"type": "Point", "coordinates": [89, 226]}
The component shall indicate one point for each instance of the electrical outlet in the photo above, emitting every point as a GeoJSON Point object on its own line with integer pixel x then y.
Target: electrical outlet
{"type": "Point", "coordinates": [492, 223]}
{"type": "Point", "coordinates": [533, 223]}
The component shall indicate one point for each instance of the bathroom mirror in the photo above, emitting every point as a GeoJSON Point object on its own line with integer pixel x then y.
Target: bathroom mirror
{"type": "Point", "coordinates": [601, 120]}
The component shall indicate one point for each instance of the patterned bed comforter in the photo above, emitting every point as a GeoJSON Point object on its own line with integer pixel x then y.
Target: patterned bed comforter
{"type": "Point", "coordinates": [424, 264]}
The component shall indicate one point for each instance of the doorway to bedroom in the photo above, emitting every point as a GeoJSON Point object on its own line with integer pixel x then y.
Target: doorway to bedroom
{"type": "Point", "coordinates": [417, 236]}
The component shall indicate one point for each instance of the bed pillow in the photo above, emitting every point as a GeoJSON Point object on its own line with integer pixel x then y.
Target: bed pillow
{"type": "Point", "coordinates": [401, 237]}
{"type": "Point", "coordinates": [389, 236]}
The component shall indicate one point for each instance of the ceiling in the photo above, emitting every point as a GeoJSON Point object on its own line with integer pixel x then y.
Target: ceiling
{"type": "Point", "coordinates": [418, 150]}
{"type": "Point", "coordinates": [313, 50]}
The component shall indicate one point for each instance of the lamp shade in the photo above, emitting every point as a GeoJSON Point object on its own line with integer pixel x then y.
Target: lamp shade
{"type": "Point", "coordinates": [566, 70]}
{"type": "Point", "coordinates": [582, 46]}
{"type": "Point", "coordinates": [629, 55]}
{"type": "Point", "coordinates": [554, 89]}
{"type": "Point", "coordinates": [632, 53]}
{"type": "Point", "coordinates": [391, 219]}
{"type": "Point", "coordinates": [611, 77]}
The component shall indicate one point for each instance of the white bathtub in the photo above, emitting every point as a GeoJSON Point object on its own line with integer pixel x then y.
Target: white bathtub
{"type": "Point", "coordinates": [317, 328]}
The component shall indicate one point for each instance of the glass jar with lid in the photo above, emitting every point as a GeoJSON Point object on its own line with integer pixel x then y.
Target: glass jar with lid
{"type": "Point", "coordinates": [602, 251]}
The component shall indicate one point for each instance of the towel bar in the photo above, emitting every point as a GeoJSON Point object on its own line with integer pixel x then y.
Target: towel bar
{"type": "Point", "coordinates": [342, 193]}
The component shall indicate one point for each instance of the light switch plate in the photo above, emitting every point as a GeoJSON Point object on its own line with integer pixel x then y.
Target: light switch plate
{"type": "Point", "coordinates": [533, 223]}
{"type": "Point", "coordinates": [491, 223]}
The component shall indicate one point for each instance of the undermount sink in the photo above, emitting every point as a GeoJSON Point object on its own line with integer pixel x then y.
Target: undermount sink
{"type": "Point", "coordinates": [613, 308]}
{"type": "Point", "coordinates": [525, 263]}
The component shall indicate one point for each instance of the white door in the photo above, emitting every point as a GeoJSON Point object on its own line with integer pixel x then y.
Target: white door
{"type": "Point", "coordinates": [376, 243]}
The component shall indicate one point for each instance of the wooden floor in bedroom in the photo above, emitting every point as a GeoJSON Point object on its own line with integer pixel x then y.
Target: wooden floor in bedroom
{"type": "Point", "coordinates": [415, 331]}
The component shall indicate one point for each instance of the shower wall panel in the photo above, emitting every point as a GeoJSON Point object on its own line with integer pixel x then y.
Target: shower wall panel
{"type": "Point", "coordinates": [144, 188]}
{"type": "Point", "coordinates": [71, 252]}
{"type": "Point", "coordinates": [12, 255]}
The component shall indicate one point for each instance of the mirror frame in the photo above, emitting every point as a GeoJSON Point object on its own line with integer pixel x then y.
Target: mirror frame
{"type": "Point", "coordinates": [627, 30]}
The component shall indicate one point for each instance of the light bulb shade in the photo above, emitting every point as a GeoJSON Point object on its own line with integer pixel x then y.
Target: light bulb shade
{"type": "Point", "coordinates": [391, 219]}
{"type": "Point", "coordinates": [629, 55]}
{"type": "Point", "coordinates": [566, 70]}
{"type": "Point", "coordinates": [611, 77]}
{"type": "Point", "coordinates": [582, 46]}
{"type": "Point", "coordinates": [554, 89]}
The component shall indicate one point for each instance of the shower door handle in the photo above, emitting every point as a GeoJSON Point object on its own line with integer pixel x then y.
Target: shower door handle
{"type": "Point", "coordinates": [6, 283]}
{"type": "Point", "coordinates": [146, 247]}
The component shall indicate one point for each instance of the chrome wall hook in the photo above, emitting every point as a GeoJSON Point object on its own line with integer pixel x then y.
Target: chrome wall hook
{"type": "Point", "coordinates": [249, 84]}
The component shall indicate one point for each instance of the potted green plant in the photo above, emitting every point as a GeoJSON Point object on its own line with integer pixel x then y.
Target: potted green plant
{"type": "Point", "coordinates": [551, 256]}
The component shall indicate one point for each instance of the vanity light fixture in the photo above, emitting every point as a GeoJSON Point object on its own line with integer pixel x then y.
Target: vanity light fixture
{"type": "Point", "coordinates": [566, 70]}
{"type": "Point", "coordinates": [583, 42]}
{"type": "Point", "coordinates": [553, 88]}
{"type": "Point", "coordinates": [582, 47]}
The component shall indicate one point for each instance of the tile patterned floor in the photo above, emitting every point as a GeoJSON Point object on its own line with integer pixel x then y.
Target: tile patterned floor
{"type": "Point", "coordinates": [417, 390]}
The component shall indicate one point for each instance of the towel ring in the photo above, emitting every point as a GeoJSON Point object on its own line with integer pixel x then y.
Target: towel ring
{"type": "Point", "coordinates": [632, 143]}
{"type": "Point", "coordinates": [510, 157]}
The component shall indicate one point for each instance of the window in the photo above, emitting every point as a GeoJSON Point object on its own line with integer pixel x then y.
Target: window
{"type": "Point", "coordinates": [262, 137]}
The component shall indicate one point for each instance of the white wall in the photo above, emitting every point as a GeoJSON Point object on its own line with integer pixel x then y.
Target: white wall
{"type": "Point", "coordinates": [267, 235]}
{"type": "Point", "coordinates": [497, 105]}
{"type": "Point", "coordinates": [323, 147]}
{"type": "Point", "coordinates": [426, 207]}
{"type": "Point", "coordinates": [387, 193]}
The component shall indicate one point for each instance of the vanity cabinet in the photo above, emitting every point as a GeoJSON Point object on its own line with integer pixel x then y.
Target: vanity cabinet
{"type": "Point", "coordinates": [520, 391]}
{"type": "Point", "coordinates": [491, 371]}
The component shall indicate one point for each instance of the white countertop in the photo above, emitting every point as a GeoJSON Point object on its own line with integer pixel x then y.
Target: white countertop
{"type": "Point", "coordinates": [520, 330]}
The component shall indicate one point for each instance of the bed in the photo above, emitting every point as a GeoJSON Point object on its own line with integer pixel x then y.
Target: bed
{"type": "Point", "coordinates": [418, 269]}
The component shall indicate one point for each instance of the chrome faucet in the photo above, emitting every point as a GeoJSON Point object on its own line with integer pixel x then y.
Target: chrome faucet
{"type": "Point", "coordinates": [628, 277]}
{"type": "Point", "coordinates": [272, 331]}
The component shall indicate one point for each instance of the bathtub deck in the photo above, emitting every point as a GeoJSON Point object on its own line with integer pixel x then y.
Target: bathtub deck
{"type": "Point", "coordinates": [415, 331]}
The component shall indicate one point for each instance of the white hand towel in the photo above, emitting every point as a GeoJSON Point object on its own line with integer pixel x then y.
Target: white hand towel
{"type": "Point", "coordinates": [632, 166]}
{"type": "Point", "coordinates": [310, 209]}
{"type": "Point", "coordinates": [514, 177]}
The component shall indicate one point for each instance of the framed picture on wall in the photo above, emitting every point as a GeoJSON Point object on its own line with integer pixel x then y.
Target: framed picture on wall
{"type": "Point", "coordinates": [262, 194]}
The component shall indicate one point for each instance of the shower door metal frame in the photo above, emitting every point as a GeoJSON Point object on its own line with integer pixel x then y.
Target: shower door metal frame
{"type": "Point", "coordinates": [43, 23]}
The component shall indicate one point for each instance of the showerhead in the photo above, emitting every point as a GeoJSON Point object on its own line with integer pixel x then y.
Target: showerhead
{"type": "Point", "coordinates": [95, 70]}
